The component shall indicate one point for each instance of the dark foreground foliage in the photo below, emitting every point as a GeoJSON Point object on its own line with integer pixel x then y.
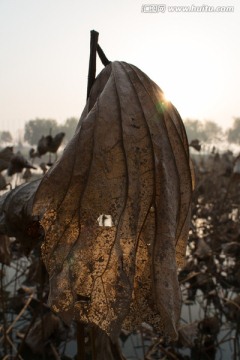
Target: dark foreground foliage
{"type": "Point", "coordinates": [210, 283]}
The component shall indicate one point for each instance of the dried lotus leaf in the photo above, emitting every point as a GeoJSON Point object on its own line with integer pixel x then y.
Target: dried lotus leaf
{"type": "Point", "coordinates": [128, 163]}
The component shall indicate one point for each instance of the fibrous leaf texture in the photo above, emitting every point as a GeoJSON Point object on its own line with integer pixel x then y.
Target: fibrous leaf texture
{"type": "Point", "coordinates": [115, 208]}
{"type": "Point", "coordinates": [15, 215]}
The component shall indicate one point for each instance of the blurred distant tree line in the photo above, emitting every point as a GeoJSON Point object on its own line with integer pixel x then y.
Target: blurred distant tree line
{"type": "Point", "coordinates": [207, 131]}
{"type": "Point", "coordinates": [234, 132]}
{"type": "Point", "coordinates": [5, 137]}
{"type": "Point", "coordinates": [35, 129]}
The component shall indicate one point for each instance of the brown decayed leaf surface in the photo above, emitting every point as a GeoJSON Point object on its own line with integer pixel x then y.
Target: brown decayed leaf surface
{"type": "Point", "coordinates": [128, 159]}
{"type": "Point", "coordinates": [15, 213]}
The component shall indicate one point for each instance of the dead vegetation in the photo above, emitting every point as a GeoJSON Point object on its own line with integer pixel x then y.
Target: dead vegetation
{"type": "Point", "coordinates": [105, 230]}
{"type": "Point", "coordinates": [210, 284]}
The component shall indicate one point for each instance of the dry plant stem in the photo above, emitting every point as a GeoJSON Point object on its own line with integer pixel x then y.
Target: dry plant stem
{"type": "Point", "coordinates": [168, 353]}
{"type": "Point", "coordinates": [20, 314]}
{"type": "Point", "coordinates": [19, 273]}
{"type": "Point", "coordinates": [13, 347]}
{"type": "Point", "coordinates": [25, 336]}
{"type": "Point", "coordinates": [230, 302]}
{"type": "Point", "coordinates": [92, 60]}
{"type": "Point", "coordinates": [55, 353]}
{"type": "Point", "coordinates": [152, 349]}
{"type": "Point", "coordinates": [80, 341]}
{"type": "Point", "coordinates": [102, 56]}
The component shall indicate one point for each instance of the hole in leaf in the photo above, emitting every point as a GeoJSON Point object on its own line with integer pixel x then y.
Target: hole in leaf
{"type": "Point", "coordinates": [83, 298]}
{"type": "Point", "coordinates": [105, 220]}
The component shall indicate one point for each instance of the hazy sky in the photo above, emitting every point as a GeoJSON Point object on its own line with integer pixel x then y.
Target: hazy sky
{"type": "Point", "coordinates": [193, 56]}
